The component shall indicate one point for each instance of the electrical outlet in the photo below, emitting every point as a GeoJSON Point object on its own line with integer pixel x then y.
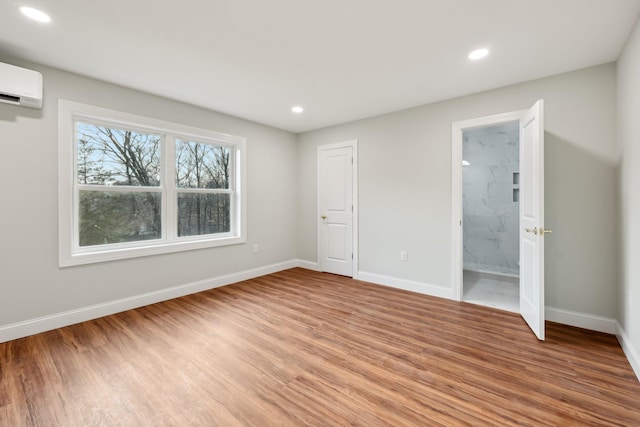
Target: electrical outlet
{"type": "Point", "coordinates": [256, 248]}
{"type": "Point", "coordinates": [404, 257]}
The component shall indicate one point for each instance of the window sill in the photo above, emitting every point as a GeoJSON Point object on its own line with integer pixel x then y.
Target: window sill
{"type": "Point", "coordinates": [69, 260]}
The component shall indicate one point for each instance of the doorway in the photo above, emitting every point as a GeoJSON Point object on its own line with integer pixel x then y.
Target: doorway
{"type": "Point", "coordinates": [490, 216]}
{"type": "Point", "coordinates": [338, 208]}
{"type": "Point", "coordinates": [529, 192]}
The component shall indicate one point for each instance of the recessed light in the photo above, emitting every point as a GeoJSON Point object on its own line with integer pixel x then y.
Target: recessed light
{"type": "Point", "coordinates": [35, 14]}
{"type": "Point", "coordinates": [478, 54]}
{"type": "Point", "coordinates": [297, 109]}
{"type": "Point", "coordinates": [465, 163]}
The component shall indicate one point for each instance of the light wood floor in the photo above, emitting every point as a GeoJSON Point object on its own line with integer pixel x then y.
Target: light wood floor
{"type": "Point", "coordinates": [304, 348]}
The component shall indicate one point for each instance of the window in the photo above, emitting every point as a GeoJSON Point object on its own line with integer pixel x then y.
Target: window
{"type": "Point", "coordinates": [204, 194]}
{"type": "Point", "coordinates": [133, 186]}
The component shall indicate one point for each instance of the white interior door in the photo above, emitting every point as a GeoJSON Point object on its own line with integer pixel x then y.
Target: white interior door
{"type": "Point", "coordinates": [532, 218]}
{"type": "Point", "coordinates": [335, 209]}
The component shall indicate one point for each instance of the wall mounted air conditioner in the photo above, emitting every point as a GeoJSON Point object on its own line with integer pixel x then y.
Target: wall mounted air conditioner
{"type": "Point", "coordinates": [19, 86]}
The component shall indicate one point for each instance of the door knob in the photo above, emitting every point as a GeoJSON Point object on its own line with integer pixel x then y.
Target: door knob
{"type": "Point", "coordinates": [323, 216]}
{"type": "Point", "coordinates": [542, 231]}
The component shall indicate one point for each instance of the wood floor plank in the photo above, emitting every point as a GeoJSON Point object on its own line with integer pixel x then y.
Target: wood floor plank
{"type": "Point", "coordinates": [304, 348]}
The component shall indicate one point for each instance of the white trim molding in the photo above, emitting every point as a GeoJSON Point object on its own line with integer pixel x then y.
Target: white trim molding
{"type": "Point", "coordinates": [633, 355]}
{"type": "Point", "coordinates": [565, 317]}
{"type": "Point", "coordinates": [72, 252]}
{"type": "Point", "coordinates": [407, 285]}
{"type": "Point", "coordinates": [46, 323]}
{"type": "Point", "coordinates": [66, 318]}
{"type": "Point", "coordinates": [581, 320]}
{"type": "Point", "coordinates": [457, 129]}
{"type": "Point", "coordinates": [309, 265]}
{"type": "Point", "coordinates": [354, 202]}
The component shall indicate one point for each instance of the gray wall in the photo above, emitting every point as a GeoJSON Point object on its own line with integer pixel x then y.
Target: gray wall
{"type": "Point", "coordinates": [629, 139]}
{"type": "Point", "coordinates": [405, 186]}
{"type": "Point", "coordinates": [405, 194]}
{"type": "Point", "coordinates": [490, 215]}
{"type": "Point", "coordinates": [32, 284]}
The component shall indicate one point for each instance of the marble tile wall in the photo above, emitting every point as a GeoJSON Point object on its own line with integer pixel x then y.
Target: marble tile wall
{"type": "Point", "coordinates": [490, 214]}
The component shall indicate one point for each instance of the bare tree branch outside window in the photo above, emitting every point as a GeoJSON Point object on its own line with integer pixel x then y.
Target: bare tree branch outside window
{"type": "Point", "coordinates": [109, 157]}
{"type": "Point", "coordinates": [115, 157]}
{"type": "Point", "coordinates": [202, 166]}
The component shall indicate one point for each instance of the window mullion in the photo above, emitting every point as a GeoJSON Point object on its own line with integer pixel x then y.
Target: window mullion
{"type": "Point", "coordinates": [117, 188]}
{"type": "Point", "coordinates": [75, 238]}
{"type": "Point", "coordinates": [75, 193]}
{"type": "Point", "coordinates": [169, 185]}
{"type": "Point", "coordinates": [204, 190]}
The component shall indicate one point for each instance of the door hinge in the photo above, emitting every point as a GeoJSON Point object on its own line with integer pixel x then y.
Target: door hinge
{"type": "Point", "coordinates": [351, 256]}
{"type": "Point", "coordinates": [352, 160]}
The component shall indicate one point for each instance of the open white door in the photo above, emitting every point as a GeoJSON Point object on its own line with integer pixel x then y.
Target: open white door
{"type": "Point", "coordinates": [335, 206]}
{"type": "Point", "coordinates": [532, 218]}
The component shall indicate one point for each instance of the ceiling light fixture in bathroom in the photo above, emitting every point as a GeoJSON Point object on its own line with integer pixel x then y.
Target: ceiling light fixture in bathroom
{"type": "Point", "coordinates": [297, 109]}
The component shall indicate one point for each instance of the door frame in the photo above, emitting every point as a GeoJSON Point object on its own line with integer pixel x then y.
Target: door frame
{"type": "Point", "coordinates": [354, 202]}
{"type": "Point", "coordinates": [457, 130]}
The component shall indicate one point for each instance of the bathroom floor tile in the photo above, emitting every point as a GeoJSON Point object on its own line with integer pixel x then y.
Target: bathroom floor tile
{"type": "Point", "coordinates": [491, 291]}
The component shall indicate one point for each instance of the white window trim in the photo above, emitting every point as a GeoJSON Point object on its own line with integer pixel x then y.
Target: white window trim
{"type": "Point", "coordinates": [70, 255]}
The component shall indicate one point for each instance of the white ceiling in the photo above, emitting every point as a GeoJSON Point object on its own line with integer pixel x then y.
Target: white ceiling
{"type": "Point", "coordinates": [340, 59]}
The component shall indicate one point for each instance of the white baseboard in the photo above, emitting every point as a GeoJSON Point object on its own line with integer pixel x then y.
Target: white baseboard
{"type": "Point", "coordinates": [407, 285]}
{"type": "Point", "coordinates": [581, 320]}
{"type": "Point", "coordinates": [566, 317]}
{"type": "Point", "coordinates": [309, 265]}
{"type": "Point", "coordinates": [488, 271]}
{"type": "Point", "coordinates": [491, 273]}
{"type": "Point", "coordinates": [629, 350]}
{"type": "Point", "coordinates": [59, 320]}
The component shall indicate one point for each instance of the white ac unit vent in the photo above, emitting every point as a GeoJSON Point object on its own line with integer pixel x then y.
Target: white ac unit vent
{"type": "Point", "coordinates": [19, 86]}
